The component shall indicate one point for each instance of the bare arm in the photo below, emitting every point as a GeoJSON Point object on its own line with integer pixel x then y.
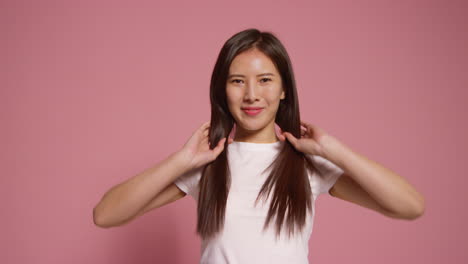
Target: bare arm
{"type": "Point", "coordinates": [385, 188]}
{"type": "Point", "coordinates": [154, 187]}
{"type": "Point", "coordinates": [171, 194]}
{"type": "Point", "coordinates": [366, 183]}
{"type": "Point", "coordinates": [128, 199]}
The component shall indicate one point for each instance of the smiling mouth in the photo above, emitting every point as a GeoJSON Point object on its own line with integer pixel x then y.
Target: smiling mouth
{"type": "Point", "coordinates": [252, 112]}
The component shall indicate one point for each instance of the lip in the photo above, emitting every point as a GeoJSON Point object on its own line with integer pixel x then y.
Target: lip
{"type": "Point", "coordinates": [251, 108]}
{"type": "Point", "coordinates": [252, 111]}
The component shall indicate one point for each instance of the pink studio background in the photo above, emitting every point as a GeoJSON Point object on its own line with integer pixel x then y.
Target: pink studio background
{"type": "Point", "coordinates": [94, 92]}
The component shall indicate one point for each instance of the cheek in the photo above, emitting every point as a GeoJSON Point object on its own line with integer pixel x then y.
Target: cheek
{"type": "Point", "coordinates": [232, 97]}
{"type": "Point", "coordinates": [231, 102]}
{"type": "Point", "coordinates": [273, 96]}
{"type": "Point", "coordinates": [273, 90]}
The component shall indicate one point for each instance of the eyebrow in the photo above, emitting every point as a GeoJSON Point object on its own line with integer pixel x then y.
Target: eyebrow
{"type": "Point", "coordinates": [240, 75]}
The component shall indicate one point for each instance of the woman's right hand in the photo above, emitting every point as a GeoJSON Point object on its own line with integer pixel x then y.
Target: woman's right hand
{"type": "Point", "coordinates": [197, 149]}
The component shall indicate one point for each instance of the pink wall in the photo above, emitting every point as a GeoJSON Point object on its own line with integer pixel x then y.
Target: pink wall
{"type": "Point", "coordinates": [86, 89]}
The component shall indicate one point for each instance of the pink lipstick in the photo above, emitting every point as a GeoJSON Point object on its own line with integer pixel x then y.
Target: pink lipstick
{"type": "Point", "coordinates": [252, 111]}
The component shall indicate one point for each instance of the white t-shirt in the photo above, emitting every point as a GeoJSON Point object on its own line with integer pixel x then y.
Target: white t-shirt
{"type": "Point", "coordinates": [242, 240]}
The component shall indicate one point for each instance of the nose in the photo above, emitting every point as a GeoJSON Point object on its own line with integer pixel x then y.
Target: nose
{"type": "Point", "coordinates": [251, 92]}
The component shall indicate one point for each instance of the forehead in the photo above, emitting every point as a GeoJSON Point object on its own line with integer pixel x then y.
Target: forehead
{"type": "Point", "coordinates": [252, 62]}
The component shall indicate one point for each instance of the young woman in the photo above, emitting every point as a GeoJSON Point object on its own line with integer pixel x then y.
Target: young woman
{"type": "Point", "coordinates": [256, 192]}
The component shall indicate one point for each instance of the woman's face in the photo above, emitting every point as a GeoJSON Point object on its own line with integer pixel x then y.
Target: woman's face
{"type": "Point", "coordinates": [254, 81]}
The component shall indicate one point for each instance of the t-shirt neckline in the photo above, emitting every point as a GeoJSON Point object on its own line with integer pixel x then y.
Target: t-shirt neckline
{"type": "Point", "coordinates": [257, 146]}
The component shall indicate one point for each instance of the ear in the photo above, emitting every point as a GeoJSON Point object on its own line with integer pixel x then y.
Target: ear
{"type": "Point", "coordinates": [282, 95]}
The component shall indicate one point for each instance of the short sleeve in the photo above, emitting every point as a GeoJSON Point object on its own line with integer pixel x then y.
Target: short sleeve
{"type": "Point", "coordinates": [188, 182]}
{"type": "Point", "coordinates": [329, 174]}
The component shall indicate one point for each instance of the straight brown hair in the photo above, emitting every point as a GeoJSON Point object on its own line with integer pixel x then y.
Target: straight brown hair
{"type": "Point", "coordinates": [288, 181]}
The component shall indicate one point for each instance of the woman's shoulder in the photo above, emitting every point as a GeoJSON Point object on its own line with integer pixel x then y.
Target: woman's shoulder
{"type": "Point", "coordinates": [188, 181]}
{"type": "Point", "coordinates": [325, 176]}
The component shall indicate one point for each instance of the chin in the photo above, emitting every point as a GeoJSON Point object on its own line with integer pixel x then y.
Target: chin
{"type": "Point", "coordinates": [251, 125]}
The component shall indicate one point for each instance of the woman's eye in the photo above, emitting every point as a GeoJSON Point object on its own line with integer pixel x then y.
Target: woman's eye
{"type": "Point", "coordinates": [238, 80]}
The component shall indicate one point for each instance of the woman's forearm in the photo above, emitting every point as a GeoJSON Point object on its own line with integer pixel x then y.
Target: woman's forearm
{"type": "Point", "coordinates": [388, 188]}
{"type": "Point", "coordinates": [125, 200]}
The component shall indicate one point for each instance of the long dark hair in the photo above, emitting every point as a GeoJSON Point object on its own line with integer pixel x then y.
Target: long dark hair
{"type": "Point", "coordinates": [288, 179]}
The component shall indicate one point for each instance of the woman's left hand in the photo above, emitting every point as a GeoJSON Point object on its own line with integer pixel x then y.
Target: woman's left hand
{"type": "Point", "coordinates": [310, 141]}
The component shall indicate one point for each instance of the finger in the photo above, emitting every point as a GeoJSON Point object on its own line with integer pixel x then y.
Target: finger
{"type": "Point", "coordinates": [205, 125]}
{"type": "Point", "coordinates": [281, 132]}
{"type": "Point", "coordinates": [282, 137]}
{"type": "Point", "coordinates": [206, 129]}
{"type": "Point", "coordinates": [313, 127]}
{"type": "Point", "coordinates": [310, 127]}
{"type": "Point", "coordinates": [307, 125]}
{"type": "Point", "coordinates": [290, 138]}
{"type": "Point", "coordinates": [219, 147]}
